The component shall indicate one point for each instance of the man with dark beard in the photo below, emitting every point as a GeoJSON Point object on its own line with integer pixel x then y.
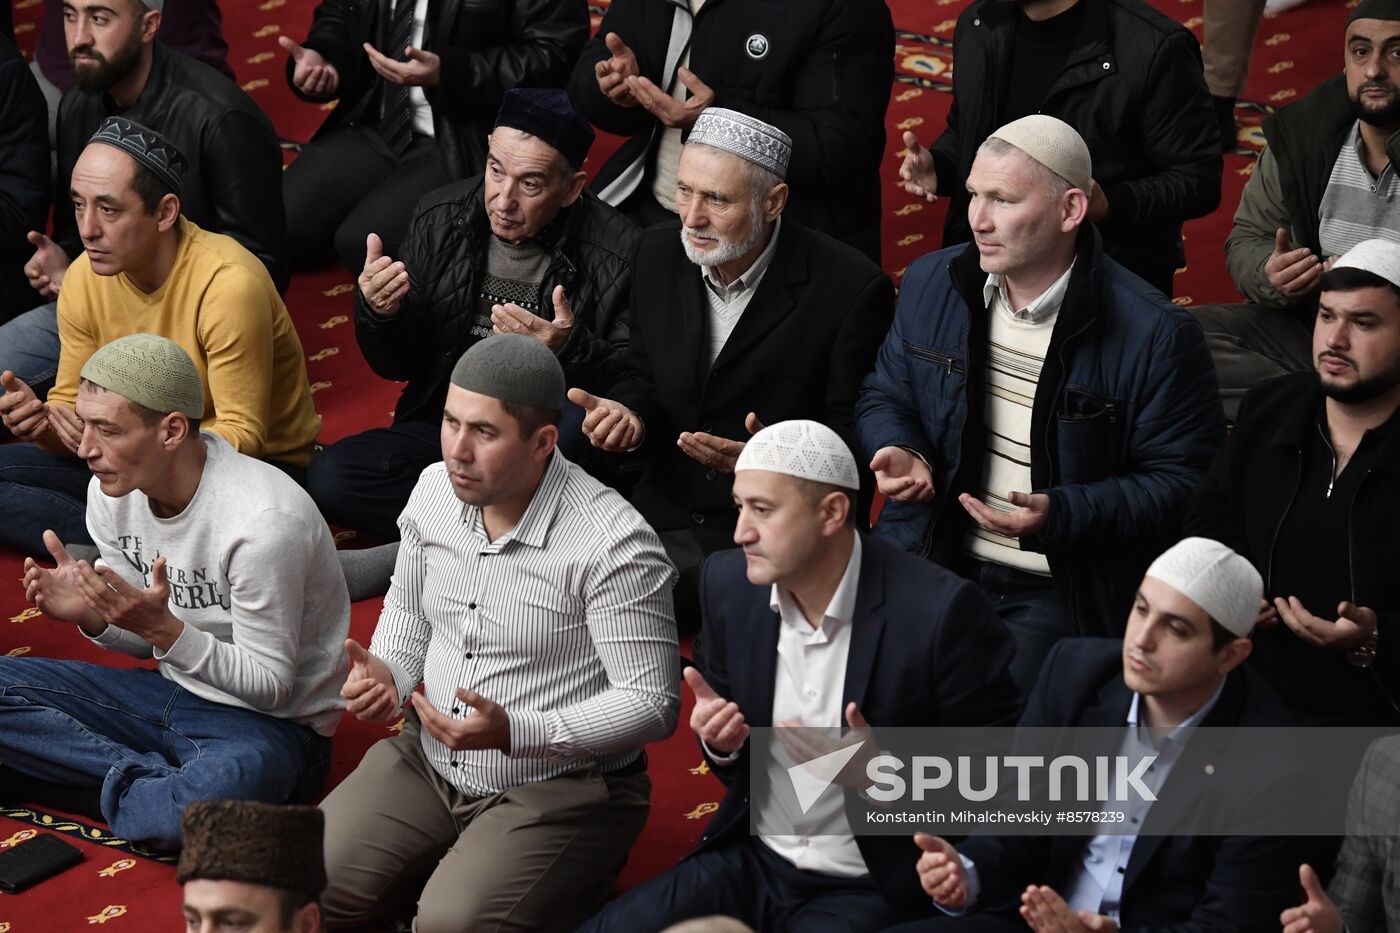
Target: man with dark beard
{"type": "Point", "coordinates": [1307, 489]}
{"type": "Point", "coordinates": [232, 185]}
{"type": "Point", "coordinates": [1325, 182]}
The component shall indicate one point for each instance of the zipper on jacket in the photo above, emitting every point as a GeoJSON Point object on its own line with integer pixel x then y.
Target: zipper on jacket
{"type": "Point", "coordinates": [1332, 476]}
{"type": "Point", "coordinates": [951, 364]}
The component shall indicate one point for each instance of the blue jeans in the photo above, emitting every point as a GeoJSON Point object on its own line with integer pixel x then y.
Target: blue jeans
{"type": "Point", "coordinates": [150, 744]}
{"type": "Point", "coordinates": [41, 490]}
{"type": "Point", "coordinates": [1034, 611]}
{"type": "Point", "coordinates": [29, 347]}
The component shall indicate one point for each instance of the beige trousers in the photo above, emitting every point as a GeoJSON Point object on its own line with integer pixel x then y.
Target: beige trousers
{"type": "Point", "coordinates": [538, 857]}
{"type": "Point", "coordinates": [1230, 28]}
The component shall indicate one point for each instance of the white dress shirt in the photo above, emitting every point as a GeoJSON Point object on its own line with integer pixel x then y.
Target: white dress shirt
{"type": "Point", "coordinates": [808, 686]}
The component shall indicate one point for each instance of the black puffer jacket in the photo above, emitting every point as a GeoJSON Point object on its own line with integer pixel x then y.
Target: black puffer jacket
{"type": "Point", "coordinates": [487, 47]}
{"type": "Point", "coordinates": [445, 254]}
{"type": "Point", "coordinates": [1135, 91]}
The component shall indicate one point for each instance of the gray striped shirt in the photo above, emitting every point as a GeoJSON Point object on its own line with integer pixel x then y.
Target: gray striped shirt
{"type": "Point", "coordinates": [566, 621]}
{"type": "Point", "coordinates": [1356, 205]}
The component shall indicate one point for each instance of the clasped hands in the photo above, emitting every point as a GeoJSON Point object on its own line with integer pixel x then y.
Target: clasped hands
{"type": "Point", "coordinates": [371, 696]}
{"type": "Point", "coordinates": [96, 597]}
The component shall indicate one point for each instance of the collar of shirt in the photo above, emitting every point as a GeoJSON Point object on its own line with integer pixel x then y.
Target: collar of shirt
{"type": "Point", "coordinates": [1042, 308]}
{"type": "Point", "coordinates": [533, 527]}
{"type": "Point", "coordinates": [1359, 147]}
{"type": "Point", "coordinates": [841, 610]}
{"type": "Point", "coordinates": [752, 275]}
{"type": "Point", "coordinates": [1183, 729]}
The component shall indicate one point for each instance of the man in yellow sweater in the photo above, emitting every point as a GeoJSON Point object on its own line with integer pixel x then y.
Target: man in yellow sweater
{"type": "Point", "coordinates": [148, 269]}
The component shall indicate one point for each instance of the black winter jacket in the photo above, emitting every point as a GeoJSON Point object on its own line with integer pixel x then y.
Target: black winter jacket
{"type": "Point", "coordinates": [24, 177]}
{"type": "Point", "coordinates": [487, 47]}
{"type": "Point", "coordinates": [819, 70]}
{"type": "Point", "coordinates": [445, 255]}
{"type": "Point", "coordinates": [233, 184]}
{"type": "Point", "coordinates": [1243, 502]}
{"type": "Point", "coordinates": [1134, 89]}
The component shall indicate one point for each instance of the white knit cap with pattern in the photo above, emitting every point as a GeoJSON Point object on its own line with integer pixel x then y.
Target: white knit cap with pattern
{"type": "Point", "coordinates": [1378, 257]}
{"type": "Point", "coordinates": [1054, 144]}
{"type": "Point", "coordinates": [805, 449]}
{"type": "Point", "coordinates": [746, 137]}
{"type": "Point", "coordinates": [1215, 578]}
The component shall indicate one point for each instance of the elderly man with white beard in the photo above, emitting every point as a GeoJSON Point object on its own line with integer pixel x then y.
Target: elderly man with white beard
{"type": "Point", "coordinates": [739, 317]}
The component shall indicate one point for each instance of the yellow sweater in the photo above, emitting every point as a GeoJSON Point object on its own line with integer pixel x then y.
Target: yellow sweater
{"type": "Point", "coordinates": [219, 305]}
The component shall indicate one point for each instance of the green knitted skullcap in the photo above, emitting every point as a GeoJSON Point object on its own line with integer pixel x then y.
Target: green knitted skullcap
{"type": "Point", "coordinates": [150, 370]}
{"type": "Point", "coordinates": [512, 368]}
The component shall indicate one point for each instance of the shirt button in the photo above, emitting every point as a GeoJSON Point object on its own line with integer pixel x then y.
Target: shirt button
{"type": "Point", "coordinates": [811, 693]}
{"type": "Point", "coordinates": [456, 710]}
{"type": "Point", "coordinates": [454, 764]}
{"type": "Point", "coordinates": [469, 655]}
{"type": "Point", "coordinates": [1120, 869]}
{"type": "Point", "coordinates": [471, 605]}
{"type": "Point", "coordinates": [697, 518]}
{"type": "Point", "coordinates": [803, 842]}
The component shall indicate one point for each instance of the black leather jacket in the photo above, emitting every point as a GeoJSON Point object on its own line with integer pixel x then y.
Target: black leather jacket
{"type": "Point", "coordinates": [487, 47]}
{"type": "Point", "coordinates": [445, 254]}
{"type": "Point", "coordinates": [233, 184]}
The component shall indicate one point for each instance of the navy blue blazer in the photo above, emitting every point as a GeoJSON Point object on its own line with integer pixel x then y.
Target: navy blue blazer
{"type": "Point", "coordinates": [926, 650]}
{"type": "Point", "coordinates": [1186, 884]}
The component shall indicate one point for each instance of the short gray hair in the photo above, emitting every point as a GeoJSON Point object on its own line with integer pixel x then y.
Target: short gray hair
{"type": "Point", "coordinates": [757, 179]}
{"type": "Point", "coordinates": [1055, 185]}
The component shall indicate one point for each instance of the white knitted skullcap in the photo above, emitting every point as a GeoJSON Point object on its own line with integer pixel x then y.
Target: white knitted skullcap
{"type": "Point", "coordinates": [1215, 578]}
{"type": "Point", "coordinates": [1378, 257]}
{"type": "Point", "coordinates": [1054, 144]}
{"type": "Point", "coordinates": [805, 449]}
{"type": "Point", "coordinates": [746, 137]}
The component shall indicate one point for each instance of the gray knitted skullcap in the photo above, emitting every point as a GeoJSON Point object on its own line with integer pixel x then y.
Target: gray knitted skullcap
{"type": "Point", "coordinates": [512, 368]}
{"type": "Point", "coordinates": [150, 370]}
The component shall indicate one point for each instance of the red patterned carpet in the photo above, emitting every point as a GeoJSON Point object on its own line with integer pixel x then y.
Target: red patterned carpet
{"type": "Point", "coordinates": [122, 888]}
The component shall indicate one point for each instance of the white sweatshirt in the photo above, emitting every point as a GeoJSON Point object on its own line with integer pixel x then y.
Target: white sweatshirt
{"type": "Point", "coordinates": [254, 576]}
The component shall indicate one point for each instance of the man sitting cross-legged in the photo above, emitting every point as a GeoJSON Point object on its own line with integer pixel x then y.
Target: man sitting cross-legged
{"type": "Point", "coordinates": [534, 605]}
{"type": "Point", "coordinates": [213, 563]}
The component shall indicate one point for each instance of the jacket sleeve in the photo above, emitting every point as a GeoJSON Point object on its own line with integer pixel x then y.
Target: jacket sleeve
{"type": "Point", "coordinates": [970, 663]}
{"type": "Point", "coordinates": [717, 675]}
{"type": "Point", "coordinates": [24, 158]}
{"type": "Point", "coordinates": [1251, 240]}
{"type": "Point", "coordinates": [887, 413]}
{"type": "Point", "coordinates": [397, 347]}
{"type": "Point", "coordinates": [637, 387]}
{"type": "Point", "coordinates": [545, 39]}
{"type": "Point", "coordinates": [332, 35]}
{"type": "Point", "coordinates": [241, 155]}
{"type": "Point", "coordinates": [1359, 886]}
{"type": "Point", "coordinates": [1252, 880]}
{"type": "Point", "coordinates": [594, 356]}
{"type": "Point", "coordinates": [1214, 510]}
{"type": "Point", "coordinates": [854, 350]}
{"type": "Point", "coordinates": [622, 17]}
{"type": "Point", "coordinates": [1175, 434]}
{"type": "Point", "coordinates": [1180, 144]}
{"type": "Point", "coordinates": [839, 97]}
